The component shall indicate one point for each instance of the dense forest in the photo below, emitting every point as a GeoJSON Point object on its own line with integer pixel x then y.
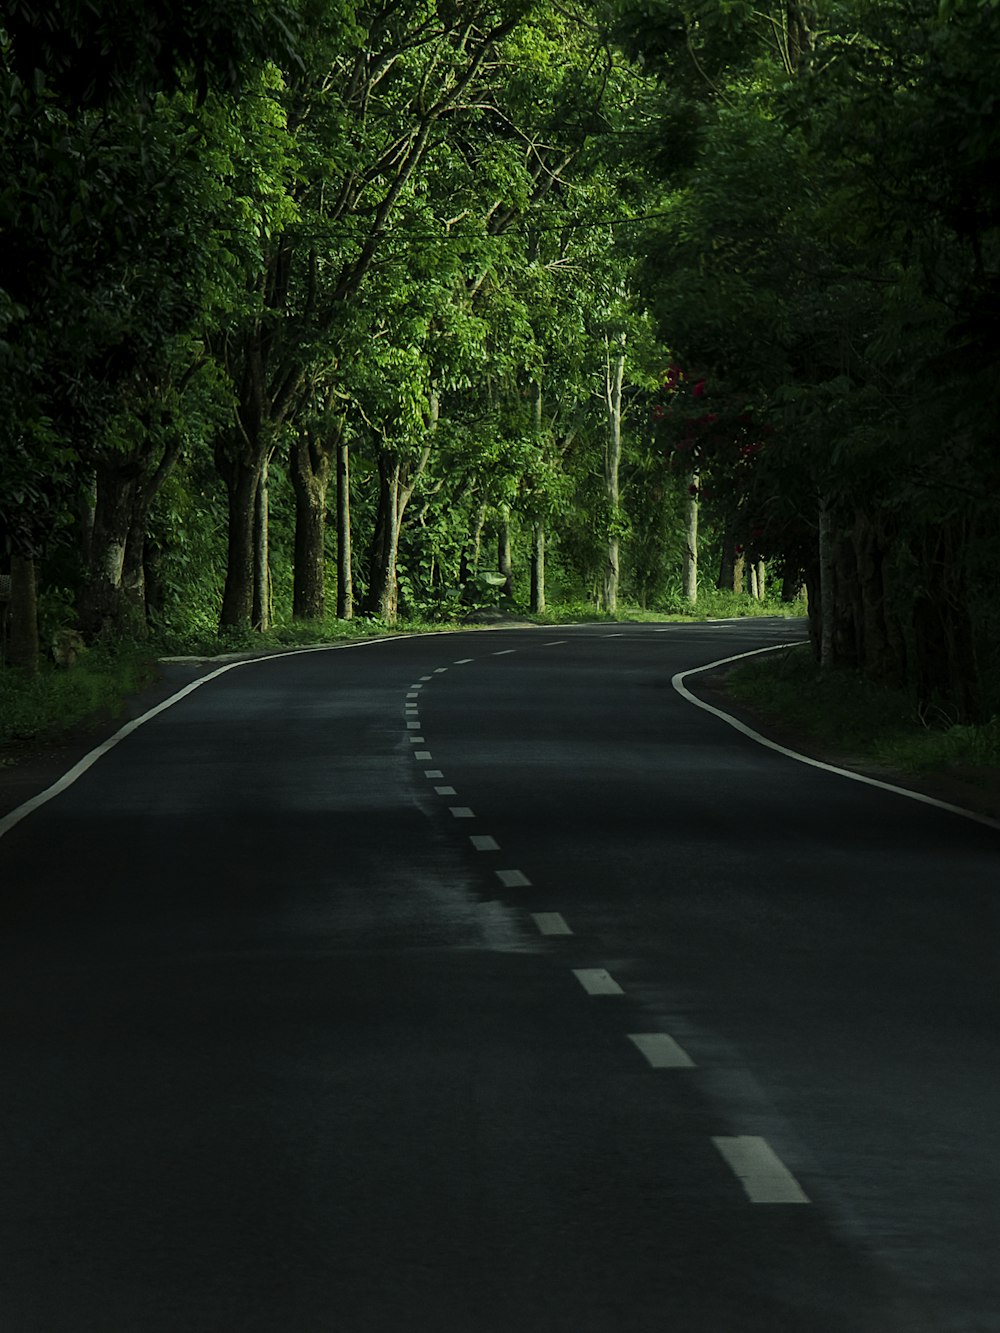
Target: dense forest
{"type": "Point", "coordinates": [313, 308]}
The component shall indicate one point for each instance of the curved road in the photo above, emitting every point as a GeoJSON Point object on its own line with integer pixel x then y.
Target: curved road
{"type": "Point", "coordinates": [477, 982]}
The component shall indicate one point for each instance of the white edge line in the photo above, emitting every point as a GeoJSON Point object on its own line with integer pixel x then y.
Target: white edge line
{"type": "Point", "coordinates": [678, 683]}
{"type": "Point", "coordinates": [14, 817]}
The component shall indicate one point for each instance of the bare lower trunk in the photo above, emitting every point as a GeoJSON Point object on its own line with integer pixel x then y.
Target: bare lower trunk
{"type": "Point", "coordinates": [760, 578]}
{"type": "Point", "coordinates": [103, 602]}
{"type": "Point", "coordinates": [260, 614]}
{"type": "Point", "coordinates": [730, 565]}
{"type": "Point", "coordinates": [383, 594]}
{"type": "Point", "coordinates": [237, 597]}
{"type": "Point", "coordinates": [505, 564]}
{"type": "Point", "coordinates": [827, 582]}
{"type": "Point", "coordinates": [613, 379]}
{"type": "Point", "coordinates": [689, 586]}
{"type": "Point", "coordinates": [538, 567]}
{"type": "Point", "coordinates": [22, 646]}
{"type": "Point", "coordinates": [310, 471]}
{"type": "Point", "coordinates": [345, 582]}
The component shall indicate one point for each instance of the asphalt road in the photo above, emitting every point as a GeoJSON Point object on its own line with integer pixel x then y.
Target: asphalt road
{"type": "Point", "coordinates": [479, 983]}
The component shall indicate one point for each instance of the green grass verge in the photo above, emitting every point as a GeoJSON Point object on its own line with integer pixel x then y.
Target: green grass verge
{"type": "Point", "coordinates": [847, 713]}
{"type": "Point", "coordinates": [56, 701]}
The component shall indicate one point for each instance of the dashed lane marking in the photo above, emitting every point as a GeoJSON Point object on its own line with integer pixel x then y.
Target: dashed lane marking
{"type": "Point", "coordinates": [597, 981]}
{"type": "Point", "coordinates": [759, 1169]}
{"type": "Point", "coordinates": [426, 677]}
{"type": "Point", "coordinates": [552, 642]}
{"type": "Point", "coordinates": [613, 636]}
{"type": "Point", "coordinates": [461, 812]}
{"type": "Point", "coordinates": [420, 754]}
{"type": "Point", "coordinates": [551, 923]}
{"type": "Point", "coordinates": [446, 791]}
{"type": "Point", "coordinates": [484, 843]}
{"type": "Point", "coordinates": [463, 661]}
{"type": "Point", "coordinates": [417, 740]}
{"type": "Point", "coordinates": [504, 651]}
{"type": "Point", "coordinates": [513, 879]}
{"type": "Point", "coordinates": [661, 1050]}
{"type": "Point", "coordinates": [433, 773]}
{"type": "Point", "coordinates": [439, 671]}
{"type": "Point", "coordinates": [413, 724]}
{"type": "Point", "coordinates": [413, 694]}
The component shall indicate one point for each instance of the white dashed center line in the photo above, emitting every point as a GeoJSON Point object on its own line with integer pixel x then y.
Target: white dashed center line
{"type": "Point", "coordinates": [420, 754]}
{"type": "Point", "coordinates": [484, 843]}
{"type": "Point", "coordinates": [461, 812]}
{"type": "Point", "coordinates": [446, 791]}
{"type": "Point", "coordinates": [661, 1050]}
{"type": "Point", "coordinates": [597, 981]}
{"type": "Point", "coordinates": [552, 642]}
{"type": "Point", "coordinates": [551, 923]}
{"type": "Point", "coordinates": [413, 724]}
{"type": "Point", "coordinates": [513, 879]}
{"type": "Point", "coordinates": [760, 1170]}
{"type": "Point", "coordinates": [426, 677]}
{"type": "Point", "coordinates": [613, 636]}
{"type": "Point", "coordinates": [439, 671]}
{"type": "Point", "coordinates": [418, 740]}
{"type": "Point", "coordinates": [504, 651]}
{"type": "Point", "coordinates": [433, 773]}
{"type": "Point", "coordinates": [413, 694]}
{"type": "Point", "coordinates": [463, 661]}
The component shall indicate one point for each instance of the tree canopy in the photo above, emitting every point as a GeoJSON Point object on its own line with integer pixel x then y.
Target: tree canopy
{"type": "Point", "coordinates": [428, 299]}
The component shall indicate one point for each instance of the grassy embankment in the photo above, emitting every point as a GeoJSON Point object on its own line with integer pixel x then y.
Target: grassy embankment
{"type": "Point", "coordinates": [846, 714]}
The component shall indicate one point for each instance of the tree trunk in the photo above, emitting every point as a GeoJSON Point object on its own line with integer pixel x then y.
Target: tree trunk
{"type": "Point", "coordinates": [689, 586]}
{"type": "Point", "coordinates": [827, 579]}
{"type": "Point", "coordinates": [345, 581]}
{"type": "Point", "coordinates": [237, 598]}
{"type": "Point", "coordinates": [468, 563]}
{"type": "Point", "coordinates": [614, 375]}
{"type": "Point", "coordinates": [22, 646]}
{"type": "Point", "coordinates": [538, 566]}
{"type": "Point", "coordinates": [102, 603]}
{"type": "Point", "coordinates": [260, 614]}
{"type": "Point", "coordinates": [383, 595]}
{"type": "Point", "coordinates": [505, 564]}
{"type": "Point", "coordinates": [731, 565]}
{"type": "Point", "coordinates": [761, 576]}
{"type": "Point", "coordinates": [311, 458]}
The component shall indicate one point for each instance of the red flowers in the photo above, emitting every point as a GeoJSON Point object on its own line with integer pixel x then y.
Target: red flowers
{"type": "Point", "coordinates": [698, 390]}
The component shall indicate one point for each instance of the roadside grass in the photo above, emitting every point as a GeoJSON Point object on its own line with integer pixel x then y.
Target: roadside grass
{"type": "Point", "coordinates": [843, 710]}
{"type": "Point", "coordinates": [56, 701]}
{"type": "Point", "coordinates": [49, 706]}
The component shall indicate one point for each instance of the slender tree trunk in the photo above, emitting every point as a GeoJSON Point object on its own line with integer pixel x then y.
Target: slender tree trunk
{"type": "Point", "coordinates": [538, 566]}
{"type": "Point", "coordinates": [237, 596]}
{"type": "Point", "coordinates": [383, 596]}
{"type": "Point", "coordinates": [614, 375]}
{"type": "Point", "coordinates": [22, 646]}
{"type": "Point", "coordinates": [345, 582]}
{"type": "Point", "coordinates": [731, 565]}
{"type": "Point", "coordinates": [260, 614]}
{"type": "Point", "coordinates": [102, 603]}
{"type": "Point", "coordinates": [311, 460]}
{"type": "Point", "coordinates": [761, 577]}
{"type": "Point", "coordinates": [505, 564]}
{"type": "Point", "coordinates": [468, 564]}
{"type": "Point", "coordinates": [689, 585]}
{"type": "Point", "coordinates": [827, 582]}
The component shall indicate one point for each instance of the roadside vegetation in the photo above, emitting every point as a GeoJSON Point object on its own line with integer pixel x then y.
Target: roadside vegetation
{"type": "Point", "coordinates": [844, 713]}
{"type": "Point", "coordinates": [320, 318]}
